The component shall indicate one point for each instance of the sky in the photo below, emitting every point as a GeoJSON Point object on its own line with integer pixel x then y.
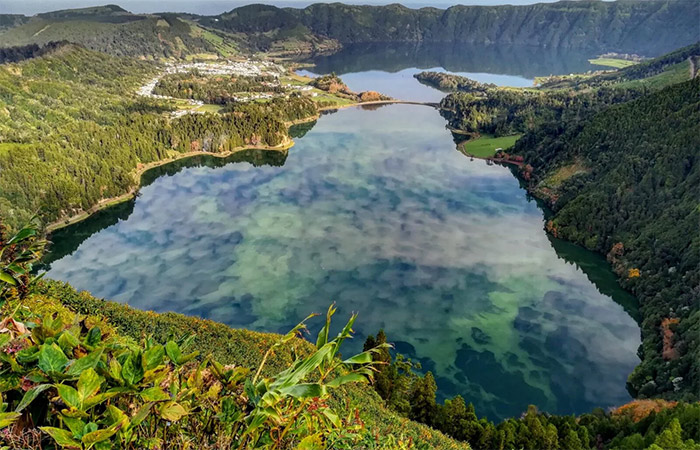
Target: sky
{"type": "Point", "coordinates": [210, 7]}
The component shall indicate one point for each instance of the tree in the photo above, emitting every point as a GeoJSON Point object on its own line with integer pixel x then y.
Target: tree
{"type": "Point", "coordinates": [422, 399]}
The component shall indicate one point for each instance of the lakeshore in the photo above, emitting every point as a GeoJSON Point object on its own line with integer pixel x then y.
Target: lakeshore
{"type": "Point", "coordinates": [143, 168]}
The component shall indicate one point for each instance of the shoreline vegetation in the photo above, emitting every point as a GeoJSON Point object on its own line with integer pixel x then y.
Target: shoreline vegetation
{"type": "Point", "coordinates": [143, 168]}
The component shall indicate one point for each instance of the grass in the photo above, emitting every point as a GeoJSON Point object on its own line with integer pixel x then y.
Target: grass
{"type": "Point", "coordinates": [612, 62]}
{"type": "Point", "coordinates": [209, 108]}
{"type": "Point", "coordinates": [329, 101]}
{"type": "Point", "coordinates": [485, 146]}
{"type": "Point", "coordinates": [675, 74]}
{"type": "Point", "coordinates": [564, 173]}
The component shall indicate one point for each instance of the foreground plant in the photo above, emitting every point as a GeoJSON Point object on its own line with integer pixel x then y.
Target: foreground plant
{"type": "Point", "coordinates": [74, 382]}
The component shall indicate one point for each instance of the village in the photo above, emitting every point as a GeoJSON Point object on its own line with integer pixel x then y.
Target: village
{"type": "Point", "coordinates": [244, 68]}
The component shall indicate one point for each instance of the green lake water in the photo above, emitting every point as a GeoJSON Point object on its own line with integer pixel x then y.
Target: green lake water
{"type": "Point", "coordinates": [373, 209]}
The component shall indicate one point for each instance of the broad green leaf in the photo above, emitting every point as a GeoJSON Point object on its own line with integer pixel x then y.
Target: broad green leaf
{"type": "Point", "coordinates": [52, 359]}
{"type": "Point", "coordinates": [68, 341]}
{"type": "Point", "coordinates": [186, 358]}
{"type": "Point", "coordinates": [89, 428]}
{"type": "Point", "coordinates": [153, 357]}
{"type": "Point", "coordinates": [154, 394]}
{"type": "Point", "coordinates": [173, 351]}
{"type": "Point", "coordinates": [28, 354]}
{"type": "Point", "coordinates": [64, 438]}
{"type": "Point", "coordinates": [132, 371]}
{"type": "Point", "coordinates": [117, 415]}
{"type": "Point", "coordinates": [69, 396]}
{"type": "Point", "coordinates": [347, 378]}
{"type": "Point", "coordinates": [87, 362]}
{"type": "Point", "coordinates": [30, 395]}
{"type": "Point", "coordinates": [115, 370]}
{"type": "Point", "coordinates": [94, 437]}
{"type": "Point", "coordinates": [76, 426]}
{"type": "Point", "coordinates": [94, 336]}
{"type": "Point", "coordinates": [8, 418]}
{"type": "Point", "coordinates": [172, 411]}
{"type": "Point", "coordinates": [88, 384]}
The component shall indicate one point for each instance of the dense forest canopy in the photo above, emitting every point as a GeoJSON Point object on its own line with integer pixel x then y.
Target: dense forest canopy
{"type": "Point", "coordinates": [634, 197]}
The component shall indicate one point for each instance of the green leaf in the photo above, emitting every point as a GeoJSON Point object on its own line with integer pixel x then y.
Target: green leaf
{"type": "Point", "coordinates": [347, 378]}
{"type": "Point", "coordinates": [132, 371]}
{"type": "Point", "coordinates": [30, 395]}
{"type": "Point", "coordinates": [94, 336]}
{"type": "Point", "coordinates": [360, 358]}
{"type": "Point", "coordinates": [173, 351]}
{"type": "Point", "coordinates": [117, 415]}
{"type": "Point", "coordinates": [334, 419]}
{"type": "Point", "coordinates": [94, 437]}
{"type": "Point", "coordinates": [154, 394]}
{"type": "Point", "coordinates": [52, 359]}
{"type": "Point", "coordinates": [153, 357]}
{"type": "Point", "coordinates": [87, 362]}
{"type": "Point", "coordinates": [7, 278]}
{"type": "Point", "coordinates": [322, 338]}
{"type": "Point", "coordinates": [69, 396]}
{"type": "Point", "coordinates": [75, 425]}
{"type": "Point", "coordinates": [172, 411]}
{"type": "Point", "coordinates": [68, 341]}
{"type": "Point", "coordinates": [21, 235]}
{"type": "Point", "coordinates": [141, 414]}
{"type": "Point", "coordinates": [88, 384]}
{"type": "Point", "coordinates": [8, 418]}
{"type": "Point", "coordinates": [115, 370]}
{"type": "Point", "coordinates": [62, 437]}
{"type": "Point", "coordinates": [304, 390]}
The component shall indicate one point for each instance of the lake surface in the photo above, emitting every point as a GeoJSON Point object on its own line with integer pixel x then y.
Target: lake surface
{"type": "Point", "coordinates": [373, 209]}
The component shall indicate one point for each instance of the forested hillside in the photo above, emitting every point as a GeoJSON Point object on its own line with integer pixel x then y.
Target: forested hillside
{"type": "Point", "coordinates": [626, 184]}
{"type": "Point", "coordinates": [72, 131]}
{"type": "Point", "coordinates": [113, 30]}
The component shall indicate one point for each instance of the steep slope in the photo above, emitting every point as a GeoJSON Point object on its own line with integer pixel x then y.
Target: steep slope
{"type": "Point", "coordinates": [651, 27]}
{"type": "Point", "coordinates": [113, 30]}
{"type": "Point", "coordinates": [626, 183]}
{"type": "Point", "coordinates": [270, 29]}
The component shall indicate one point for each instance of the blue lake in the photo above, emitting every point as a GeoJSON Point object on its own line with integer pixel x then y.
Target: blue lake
{"type": "Point", "coordinates": [374, 209]}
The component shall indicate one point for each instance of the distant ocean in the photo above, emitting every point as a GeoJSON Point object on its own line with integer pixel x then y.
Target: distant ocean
{"type": "Point", "coordinates": [212, 7]}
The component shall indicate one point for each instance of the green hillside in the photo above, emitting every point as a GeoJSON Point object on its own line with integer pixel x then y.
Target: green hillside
{"type": "Point", "coordinates": [73, 131]}
{"type": "Point", "coordinates": [113, 30]}
{"type": "Point", "coordinates": [634, 198]}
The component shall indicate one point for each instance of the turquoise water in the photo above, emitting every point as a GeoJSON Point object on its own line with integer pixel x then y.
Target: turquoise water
{"type": "Point", "coordinates": [374, 209]}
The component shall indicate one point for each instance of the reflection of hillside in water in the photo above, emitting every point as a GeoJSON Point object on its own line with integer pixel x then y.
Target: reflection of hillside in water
{"type": "Point", "coordinates": [66, 240]}
{"type": "Point", "coordinates": [524, 61]}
